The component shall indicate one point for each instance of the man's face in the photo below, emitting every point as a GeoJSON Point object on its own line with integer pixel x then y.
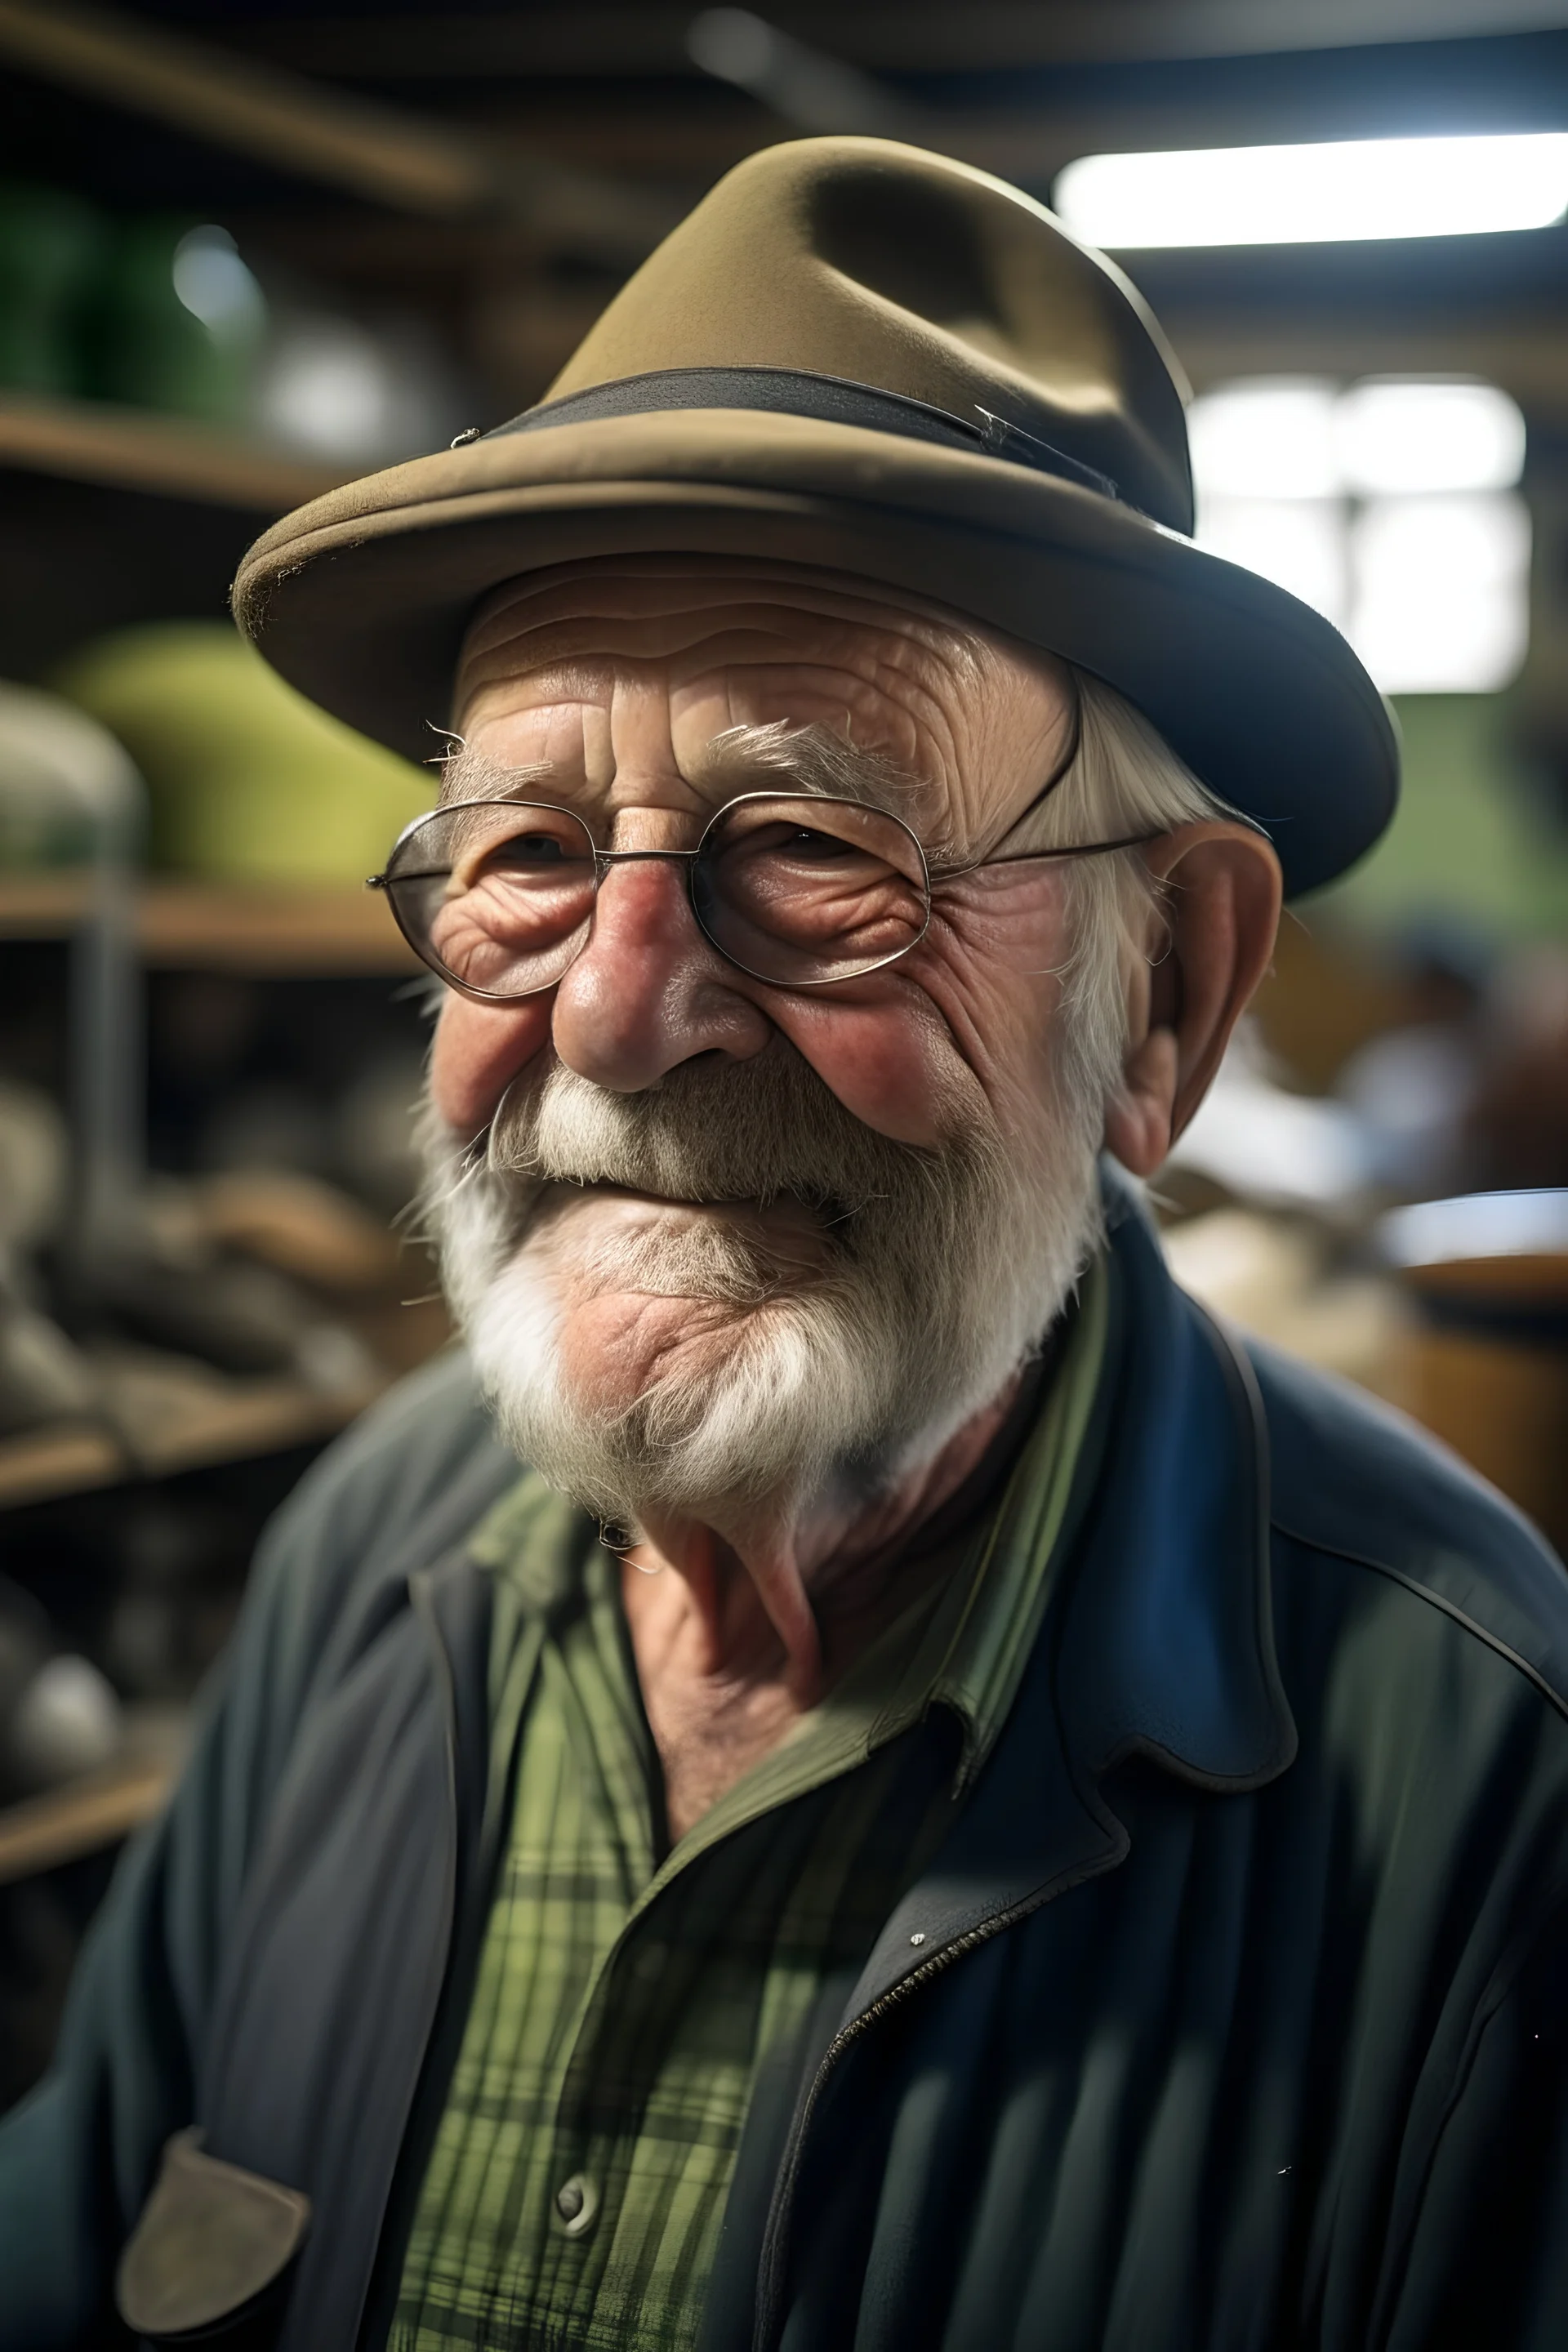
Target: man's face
{"type": "Point", "coordinates": [608, 689]}
{"type": "Point", "coordinates": [618, 682]}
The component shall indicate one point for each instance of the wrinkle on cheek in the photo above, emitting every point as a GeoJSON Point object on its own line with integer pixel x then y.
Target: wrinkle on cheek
{"type": "Point", "coordinates": [1006, 1036]}
{"type": "Point", "coordinates": [476, 1052]}
{"type": "Point", "coordinates": [999, 938]}
{"type": "Point", "coordinates": [997, 1020]}
{"type": "Point", "coordinates": [964, 1036]}
{"type": "Point", "coordinates": [896, 1073]}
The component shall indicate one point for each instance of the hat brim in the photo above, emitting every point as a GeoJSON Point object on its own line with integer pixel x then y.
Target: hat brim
{"type": "Point", "coordinates": [362, 598]}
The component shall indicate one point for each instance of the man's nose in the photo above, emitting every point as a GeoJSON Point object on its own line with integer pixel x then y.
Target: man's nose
{"type": "Point", "coordinates": [648, 992]}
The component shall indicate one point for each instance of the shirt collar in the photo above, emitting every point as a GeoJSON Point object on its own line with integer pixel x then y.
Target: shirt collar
{"type": "Point", "coordinates": [977, 1641]}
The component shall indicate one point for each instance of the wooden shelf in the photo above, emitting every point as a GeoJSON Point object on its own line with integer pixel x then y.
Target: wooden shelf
{"type": "Point", "coordinates": [96, 1810]}
{"type": "Point", "coordinates": [41, 906]}
{"type": "Point", "coordinates": [41, 1464]}
{"type": "Point", "coordinates": [197, 926]}
{"type": "Point", "coordinates": [190, 1425]}
{"type": "Point", "coordinates": [263, 1417]}
{"type": "Point", "coordinates": [211, 927]}
{"type": "Point", "coordinates": [169, 456]}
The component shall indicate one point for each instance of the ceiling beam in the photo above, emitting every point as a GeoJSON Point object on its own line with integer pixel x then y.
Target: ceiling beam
{"type": "Point", "coordinates": [384, 154]}
{"type": "Point", "coordinates": [1113, 32]}
{"type": "Point", "coordinates": [615, 40]}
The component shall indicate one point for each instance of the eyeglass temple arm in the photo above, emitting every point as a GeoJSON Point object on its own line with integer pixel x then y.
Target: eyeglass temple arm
{"type": "Point", "coordinates": [1027, 857]}
{"type": "Point", "coordinates": [1079, 849]}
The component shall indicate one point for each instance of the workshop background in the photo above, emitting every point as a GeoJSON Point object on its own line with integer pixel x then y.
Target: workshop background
{"type": "Point", "coordinates": [250, 250]}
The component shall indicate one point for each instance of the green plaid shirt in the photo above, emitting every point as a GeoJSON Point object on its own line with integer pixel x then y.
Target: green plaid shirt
{"type": "Point", "coordinates": [627, 1995]}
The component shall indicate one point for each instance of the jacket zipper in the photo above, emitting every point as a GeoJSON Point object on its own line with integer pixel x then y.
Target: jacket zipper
{"type": "Point", "coordinates": [774, 2247]}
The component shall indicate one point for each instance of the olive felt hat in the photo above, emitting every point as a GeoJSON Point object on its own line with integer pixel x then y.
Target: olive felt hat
{"type": "Point", "coordinates": [856, 355]}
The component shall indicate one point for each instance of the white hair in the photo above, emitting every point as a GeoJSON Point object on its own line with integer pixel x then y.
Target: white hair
{"type": "Point", "coordinates": [1123, 778]}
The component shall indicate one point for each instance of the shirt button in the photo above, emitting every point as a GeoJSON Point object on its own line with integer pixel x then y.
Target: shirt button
{"type": "Point", "coordinates": [577, 2203]}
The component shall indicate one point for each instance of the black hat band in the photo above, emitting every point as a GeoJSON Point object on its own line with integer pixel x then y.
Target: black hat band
{"type": "Point", "coordinates": [830, 399]}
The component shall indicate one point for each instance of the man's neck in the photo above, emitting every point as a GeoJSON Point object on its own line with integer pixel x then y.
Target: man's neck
{"type": "Point", "coordinates": [736, 1638]}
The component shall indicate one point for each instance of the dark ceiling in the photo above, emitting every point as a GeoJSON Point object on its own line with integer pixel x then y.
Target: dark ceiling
{"type": "Point", "coordinates": [602, 130]}
{"type": "Point", "coordinates": [1030, 84]}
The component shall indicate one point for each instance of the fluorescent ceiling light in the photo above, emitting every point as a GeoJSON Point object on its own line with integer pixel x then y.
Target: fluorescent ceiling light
{"type": "Point", "coordinates": [1337, 190]}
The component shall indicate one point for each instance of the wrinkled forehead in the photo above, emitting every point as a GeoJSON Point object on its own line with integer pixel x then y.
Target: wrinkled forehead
{"type": "Point", "coordinates": [686, 618]}
{"type": "Point", "coordinates": [649, 602]}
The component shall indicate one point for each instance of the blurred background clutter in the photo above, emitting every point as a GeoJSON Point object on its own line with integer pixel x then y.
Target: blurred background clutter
{"type": "Point", "coordinates": [249, 248]}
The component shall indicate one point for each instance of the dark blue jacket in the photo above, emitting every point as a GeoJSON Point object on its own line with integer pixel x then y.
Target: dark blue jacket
{"type": "Point", "coordinates": [1232, 2015]}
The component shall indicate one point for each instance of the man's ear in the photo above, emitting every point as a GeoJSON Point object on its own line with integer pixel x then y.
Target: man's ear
{"type": "Point", "coordinates": [1220, 912]}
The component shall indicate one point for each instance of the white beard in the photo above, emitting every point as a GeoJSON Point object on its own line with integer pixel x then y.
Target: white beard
{"type": "Point", "coordinates": [904, 1289]}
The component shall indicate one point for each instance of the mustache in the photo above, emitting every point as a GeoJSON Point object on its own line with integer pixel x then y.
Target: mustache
{"type": "Point", "coordinates": [711, 1133]}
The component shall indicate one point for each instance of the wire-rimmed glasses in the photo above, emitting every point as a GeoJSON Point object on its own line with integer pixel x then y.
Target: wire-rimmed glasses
{"type": "Point", "coordinates": [498, 896]}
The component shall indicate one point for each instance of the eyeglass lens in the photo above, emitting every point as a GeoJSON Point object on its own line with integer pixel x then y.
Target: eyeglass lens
{"type": "Point", "coordinates": [498, 895]}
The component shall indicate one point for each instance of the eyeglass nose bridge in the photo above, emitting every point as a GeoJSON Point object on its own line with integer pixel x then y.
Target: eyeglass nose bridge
{"type": "Point", "coordinates": [603, 857]}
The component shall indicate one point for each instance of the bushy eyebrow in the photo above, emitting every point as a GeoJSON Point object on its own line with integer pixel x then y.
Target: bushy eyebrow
{"type": "Point", "coordinates": [468, 775]}
{"type": "Point", "coordinates": [811, 760]}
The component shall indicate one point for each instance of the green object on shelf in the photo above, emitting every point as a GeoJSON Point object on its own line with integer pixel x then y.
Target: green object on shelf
{"type": "Point", "coordinates": [248, 783]}
{"type": "Point", "coordinates": [179, 322]}
{"type": "Point", "coordinates": [51, 247]}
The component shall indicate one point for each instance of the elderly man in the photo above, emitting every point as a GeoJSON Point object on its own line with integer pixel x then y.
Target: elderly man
{"type": "Point", "coordinates": [952, 1804]}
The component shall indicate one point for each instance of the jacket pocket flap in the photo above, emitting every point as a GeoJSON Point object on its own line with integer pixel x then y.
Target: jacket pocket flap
{"type": "Point", "coordinates": [210, 2239]}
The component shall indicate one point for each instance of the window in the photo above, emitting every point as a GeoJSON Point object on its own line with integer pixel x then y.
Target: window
{"type": "Point", "coordinates": [1390, 505]}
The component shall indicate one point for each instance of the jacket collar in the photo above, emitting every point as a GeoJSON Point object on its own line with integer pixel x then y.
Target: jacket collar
{"type": "Point", "coordinates": [1167, 1643]}
{"type": "Point", "coordinates": [1161, 1644]}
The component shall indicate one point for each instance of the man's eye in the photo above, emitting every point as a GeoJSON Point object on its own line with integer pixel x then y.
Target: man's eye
{"type": "Point", "coordinates": [802, 842]}
{"type": "Point", "coordinates": [529, 849]}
